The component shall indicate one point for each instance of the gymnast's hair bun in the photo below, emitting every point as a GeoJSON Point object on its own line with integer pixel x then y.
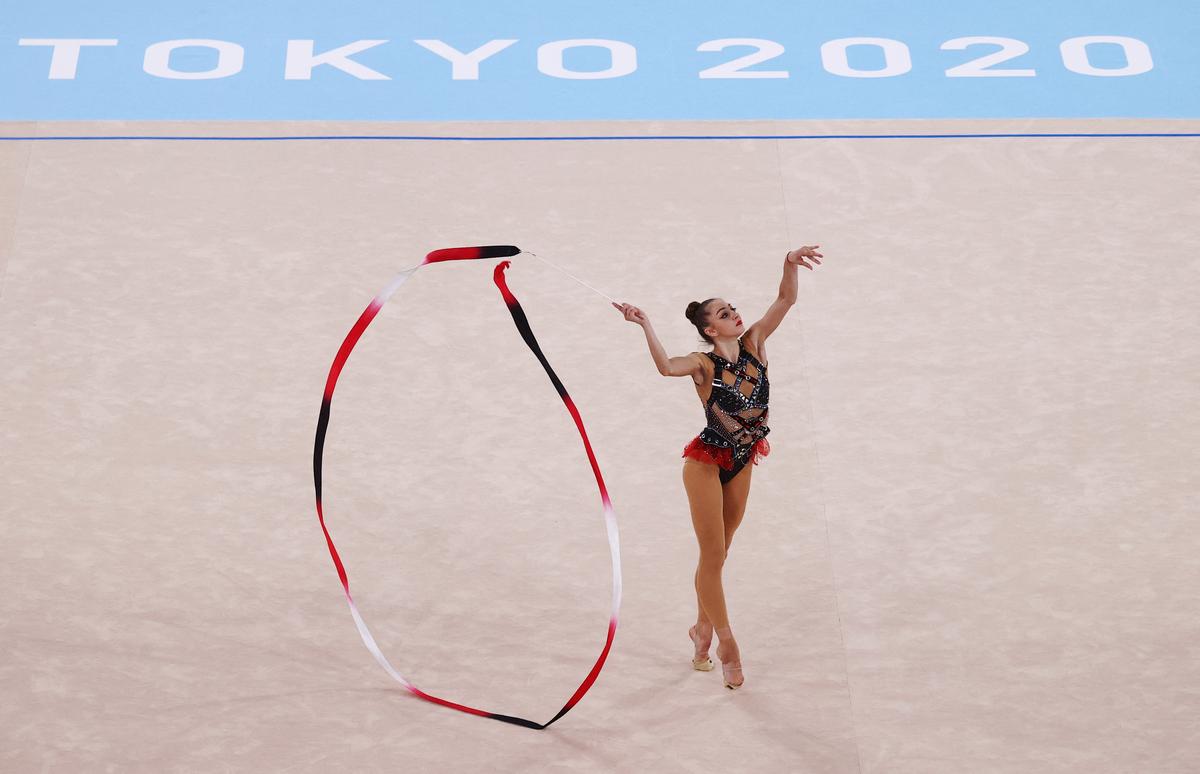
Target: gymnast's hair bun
{"type": "Point", "coordinates": [695, 315]}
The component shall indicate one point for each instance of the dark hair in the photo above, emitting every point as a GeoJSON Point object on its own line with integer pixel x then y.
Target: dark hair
{"type": "Point", "coordinates": [696, 315]}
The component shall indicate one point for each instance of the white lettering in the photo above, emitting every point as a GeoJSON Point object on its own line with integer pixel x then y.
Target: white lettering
{"type": "Point", "coordinates": [301, 61]}
{"type": "Point", "coordinates": [623, 59]}
{"type": "Point", "coordinates": [158, 59]}
{"type": "Point", "coordinates": [978, 68]}
{"type": "Point", "coordinates": [895, 57]}
{"type": "Point", "coordinates": [767, 49]}
{"type": "Point", "coordinates": [65, 60]}
{"type": "Point", "coordinates": [1075, 56]}
{"type": "Point", "coordinates": [465, 67]}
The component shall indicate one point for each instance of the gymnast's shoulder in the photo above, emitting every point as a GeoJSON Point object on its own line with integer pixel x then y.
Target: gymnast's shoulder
{"type": "Point", "coordinates": [692, 364]}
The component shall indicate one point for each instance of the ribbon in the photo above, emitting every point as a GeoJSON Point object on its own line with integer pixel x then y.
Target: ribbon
{"type": "Point", "coordinates": [519, 319]}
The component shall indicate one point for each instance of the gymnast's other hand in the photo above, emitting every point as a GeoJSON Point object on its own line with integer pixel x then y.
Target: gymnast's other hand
{"type": "Point", "coordinates": [632, 313]}
{"type": "Point", "coordinates": [798, 255]}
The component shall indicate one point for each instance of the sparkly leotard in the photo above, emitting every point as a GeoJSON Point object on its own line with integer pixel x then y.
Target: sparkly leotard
{"type": "Point", "coordinates": [736, 411]}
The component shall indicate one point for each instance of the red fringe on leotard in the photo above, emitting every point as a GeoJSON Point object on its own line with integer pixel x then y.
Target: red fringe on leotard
{"type": "Point", "coordinates": [706, 452]}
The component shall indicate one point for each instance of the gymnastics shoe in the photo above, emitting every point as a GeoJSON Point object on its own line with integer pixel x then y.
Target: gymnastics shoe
{"type": "Point", "coordinates": [700, 661]}
{"type": "Point", "coordinates": [729, 668]}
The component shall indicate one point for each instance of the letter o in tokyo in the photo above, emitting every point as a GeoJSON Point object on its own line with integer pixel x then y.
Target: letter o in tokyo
{"type": "Point", "coordinates": [229, 59]}
{"type": "Point", "coordinates": [622, 55]}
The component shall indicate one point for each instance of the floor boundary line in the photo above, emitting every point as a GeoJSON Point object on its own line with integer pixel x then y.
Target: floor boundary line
{"type": "Point", "coordinates": [595, 138]}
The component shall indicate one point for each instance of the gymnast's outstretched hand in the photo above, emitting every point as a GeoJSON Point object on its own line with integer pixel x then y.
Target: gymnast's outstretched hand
{"type": "Point", "coordinates": [798, 255]}
{"type": "Point", "coordinates": [632, 313]}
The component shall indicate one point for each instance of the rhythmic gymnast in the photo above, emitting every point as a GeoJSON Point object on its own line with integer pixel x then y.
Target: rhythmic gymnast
{"type": "Point", "coordinates": [733, 388]}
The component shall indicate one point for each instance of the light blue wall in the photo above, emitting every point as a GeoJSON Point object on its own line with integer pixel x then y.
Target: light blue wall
{"type": "Point", "coordinates": [110, 83]}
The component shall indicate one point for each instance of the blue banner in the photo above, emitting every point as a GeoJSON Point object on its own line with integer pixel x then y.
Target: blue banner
{"type": "Point", "coordinates": [544, 60]}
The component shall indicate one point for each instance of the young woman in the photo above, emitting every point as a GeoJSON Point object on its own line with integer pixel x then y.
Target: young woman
{"type": "Point", "coordinates": [732, 384]}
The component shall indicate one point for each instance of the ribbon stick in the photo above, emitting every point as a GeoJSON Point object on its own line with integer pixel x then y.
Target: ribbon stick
{"type": "Point", "coordinates": [569, 274]}
{"type": "Point", "coordinates": [519, 319]}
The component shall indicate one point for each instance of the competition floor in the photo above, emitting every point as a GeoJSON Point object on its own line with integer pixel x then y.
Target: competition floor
{"type": "Point", "coordinates": [972, 548]}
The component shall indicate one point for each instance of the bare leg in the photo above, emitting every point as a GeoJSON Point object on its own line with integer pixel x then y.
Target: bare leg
{"type": "Point", "coordinates": [702, 621]}
{"type": "Point", "coordinates": [733, 505]}
{"type": "Point", "coordinates": [734, 496]}
{"type": "Point", "coordinates": [704, 627]}
{"type": "Point", "coordinates": [705, 499]}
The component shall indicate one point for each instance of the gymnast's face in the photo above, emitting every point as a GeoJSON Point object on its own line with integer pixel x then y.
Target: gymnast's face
{"type": "Point", "coordinates": [723, 319]}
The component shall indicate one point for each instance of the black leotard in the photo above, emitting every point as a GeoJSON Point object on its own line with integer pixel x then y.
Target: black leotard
{"type": "Point", "coordinates": [737, 420]}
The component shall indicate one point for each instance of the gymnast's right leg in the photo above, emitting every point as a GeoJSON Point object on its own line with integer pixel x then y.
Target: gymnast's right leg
{"type": "Point", "coordinates": [705, 499]}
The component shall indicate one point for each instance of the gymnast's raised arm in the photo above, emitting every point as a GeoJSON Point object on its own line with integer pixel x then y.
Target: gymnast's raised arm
{"type": "Point", "coordinates": [667, 366]}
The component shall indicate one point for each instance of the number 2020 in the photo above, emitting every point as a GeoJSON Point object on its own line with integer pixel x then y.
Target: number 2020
{"type": "Point", "coordinates": [897, 61]}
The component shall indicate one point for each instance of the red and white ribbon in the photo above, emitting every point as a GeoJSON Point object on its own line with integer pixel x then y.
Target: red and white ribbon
{"type": "Point", "coordinates": [518, 314]}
